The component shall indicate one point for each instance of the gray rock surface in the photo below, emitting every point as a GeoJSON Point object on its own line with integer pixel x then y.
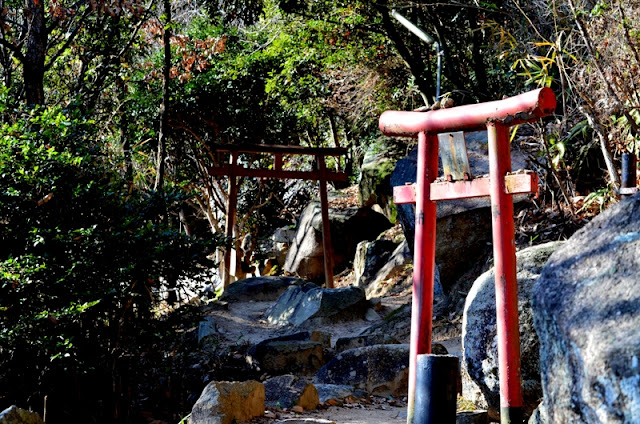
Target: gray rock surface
{"type": "Point", "coordinates": [15, 415]}
{"type": "Point", "coordinates": [479, 335]}
{"type": "Point", "coordinates": [309, 305]}
{"type": "Point", "coordinates": [379, 370]}
{"type": "Point", "coordinates": [348, 228]}
{"type": "Point", "coordinates": [587, 314]}
{"type": "Point", "coordinates": [370, 257]}
{"type": "Point", "coordinates": [287, 391]}
{"type": "Point", "coordinates": [346, 343]}
{"type": "Point", "coordinates": [337, 392]}
{"type": "Point", "coordinates": [291, 353]}
{"type": "Point", "coordinates": [259, 288]}
{"type": "Point", "coordinates": [207, 327]}
{"type": "Point", "coordinates": [463, 226]}
{"type": "Point", "coordinates": [374, 186]}
{"type": "Point", "coordinates": [225, 402]}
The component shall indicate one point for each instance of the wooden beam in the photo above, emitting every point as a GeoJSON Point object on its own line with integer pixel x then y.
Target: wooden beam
{"type": "Point", "coordinates": [286, 150]}
{"type": "Point", "coordinates": [479, 187]}
{"type": "Point", "coordinates": [278, 174]}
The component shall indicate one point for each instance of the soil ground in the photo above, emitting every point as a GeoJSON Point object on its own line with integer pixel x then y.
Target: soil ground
{"type": "Point", "coordinates": [244, 321]}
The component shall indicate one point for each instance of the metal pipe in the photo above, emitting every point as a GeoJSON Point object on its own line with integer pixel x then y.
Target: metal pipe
{"type": "Point", "coordinates": [427, 39]}
{"type": "Point", "coordinates": [439, 71]}
{"type": "Point", "coordinates": [437, 389]}
{"type": "Point", "coordinates": [506, 284]}
{"type": "Point", "coordinates": [424, 261]}
{"type": "Point", "coordinates": [628, 175]}
{"type": "Point", "coordinates": [526, 107]}
{"type": "Point", "coordinates": [411, 27]}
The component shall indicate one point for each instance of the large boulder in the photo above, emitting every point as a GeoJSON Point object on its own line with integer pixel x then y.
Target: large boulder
{"type": "Point", "coordinates": [225, 402]}
{"type": "Point", "coordinates": [259, 288]}
{"type": "Point", "coordinates": [480, 338]}
{"type": "Point", "coordinates": [380, 370]}
{"type": "Point", "coordinates": [15, 415]}
{"type": "Point", "coordinates": [587, 314]}
{"type": "Point", "coordinates": [463, 226]}
{"type": "Point", "coordinates": [309, 305]}
{"type": "Point", "coordinates": [348, 228]}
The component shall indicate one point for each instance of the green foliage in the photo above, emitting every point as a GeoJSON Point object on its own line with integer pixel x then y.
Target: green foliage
{"type": "Point", "coordinates": [81, 261]}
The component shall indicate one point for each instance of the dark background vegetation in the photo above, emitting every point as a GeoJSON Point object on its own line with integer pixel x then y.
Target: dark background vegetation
{"type": "Point", "coordinates": [106, 138]}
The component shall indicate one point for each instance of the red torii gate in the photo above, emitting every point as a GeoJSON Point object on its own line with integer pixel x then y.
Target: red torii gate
{"type": "Point", "coordinates": [496, 117]}
{"type": "Point", "coordinates": [321, 174]}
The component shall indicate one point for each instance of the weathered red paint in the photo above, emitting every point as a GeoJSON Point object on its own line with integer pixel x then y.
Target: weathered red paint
{"type": "Point", "coordinates": [479, 187]}
{"type": "Point", "coordinates": [424, 260]}
{"type": "Point", "coordinates": [504, 257]}
{"type": "Point", "coordinates": [496, 117]}
{"type": "Point", "coordinates": [526, 107]}
{"type": "Point", "coordinates": [234, 170]}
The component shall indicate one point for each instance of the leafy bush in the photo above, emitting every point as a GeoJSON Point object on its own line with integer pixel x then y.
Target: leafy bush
{"type": "Point", "coordinates": [81, 260]}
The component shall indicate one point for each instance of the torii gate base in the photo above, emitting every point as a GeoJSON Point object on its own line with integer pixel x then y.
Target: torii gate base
{"type": "Point", "coordinates": [496, 117]}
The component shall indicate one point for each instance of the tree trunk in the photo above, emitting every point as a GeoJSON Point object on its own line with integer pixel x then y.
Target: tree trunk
{"type": "Point", "coordinates": [164, 106]}
{"type": "Point", "coordinates": [33, 65]}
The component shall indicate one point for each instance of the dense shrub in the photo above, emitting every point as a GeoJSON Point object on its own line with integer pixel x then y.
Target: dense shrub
{"type": "Point", "coordinates": [81, 262]}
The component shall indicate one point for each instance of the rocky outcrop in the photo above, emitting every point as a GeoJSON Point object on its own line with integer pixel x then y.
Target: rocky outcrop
{"type": "Point", "coordinates": [370, 257]}
{"type": "Point", "coordinates": [225, 402]}
{"type": "Point", "coordinates": [463, 226]}
{"type": "Point", "coordinates": [348, 228]}
{"type": "Point", "coordinates": [296, 353]}
{"type": "Point", "coordinates": [282, 239]}
{"type": "Point", "coordinates": [479, 335]}
{"type": "Point", "coordinates": [374, 187]}
{"type": "Point", "coordinates": [587, 314]}
{"type": "Point", "coordinates": [287, 391]}
{"type": "Point", "coordinates": [309, 305]}
{"type": "Point", "coordinates": [346, 343]}
{"type": "Point", "coordinates": [379, 370]}
{"type": "Point", "coordinates": [15, 415]}
{"type": "Point", "coordinates": [259, 289]}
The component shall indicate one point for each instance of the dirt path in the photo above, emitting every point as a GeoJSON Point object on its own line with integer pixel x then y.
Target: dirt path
{"type": "Point", "coordinates": [244, 322]}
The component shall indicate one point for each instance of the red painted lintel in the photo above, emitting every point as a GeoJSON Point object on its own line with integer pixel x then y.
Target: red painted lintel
{"type": "Point", "coordinates": [479, 187]}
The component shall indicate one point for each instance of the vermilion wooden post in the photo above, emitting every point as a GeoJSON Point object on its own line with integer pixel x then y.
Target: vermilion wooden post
{"type": "Point", "coordinates": [506, 284]}
{"type": "Point", "coordinates": [230, 224]}
{"type": "Point", "coordinates": [424, 260]}
{"type": "Point", "coordinates": [326, 233]}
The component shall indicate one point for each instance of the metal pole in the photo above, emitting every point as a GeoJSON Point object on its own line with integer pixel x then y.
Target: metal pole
{"type": "Point", "coordinates": [506, 285]}
{"type": "Point", "coordinates": [423, 262]}
{"type": "Point", "coordinates": [326, 232]}
{"type": "Point", "coordinates": [439, 72]}
{"type": "Point", "coordinates": [628, 175]}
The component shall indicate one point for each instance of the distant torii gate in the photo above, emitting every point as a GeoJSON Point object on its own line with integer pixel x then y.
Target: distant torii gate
{"type": "Point", "coordinates": [233, 170]}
